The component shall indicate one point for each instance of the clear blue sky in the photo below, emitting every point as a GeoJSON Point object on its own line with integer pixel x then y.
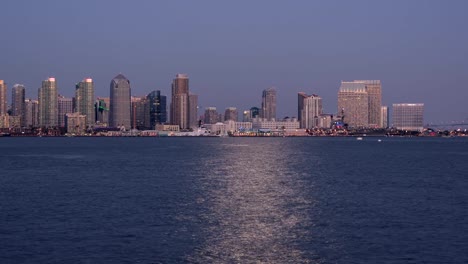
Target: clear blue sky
{"type": "Point", "coordinates": [232, 50]}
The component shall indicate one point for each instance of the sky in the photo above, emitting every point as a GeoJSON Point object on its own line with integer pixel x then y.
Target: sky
{"type": "Point", "coordinates": [232, 50]}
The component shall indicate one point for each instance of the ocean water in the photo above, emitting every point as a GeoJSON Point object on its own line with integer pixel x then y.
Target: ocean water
{"type": "Point", "coordinates": [233, 200]}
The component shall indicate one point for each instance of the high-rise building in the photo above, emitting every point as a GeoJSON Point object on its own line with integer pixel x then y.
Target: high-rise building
{"type": "Point", "coordinates": [102, 110]}
{"type": "Point", "coordinates": [65, 106]}
{"type": "Point", "coordinates": [193, 109]}
{"type": "Point", "coordinates": [353, 104]}
{"type": "Point", "coordinates": [31, 113]}
{"type": "Point", "coordinates": [180, 110]}
{"type": "Point", "coordinates": [374, 91]}
{"type": "Point", "coordinates": [231, 114]}
{"type": "Point", "coordinates": [157, 108]}
{"type": "Point", "coordinates": [384, 117]}
{"type": "Point", "coordinates": [48, 103]}
{"type": "Point", "coordinates": [18, 106]}
{"type": "Point", "coordinates": [360, 102]}
{"type": "Point", "coordinates": [211, 115]}
{"type": "Point", "coordinates": [140, 113]}
{"type": "Point", "coordinates": [120, 104]}
{"type": "Point", "coordinates": [309, 110]}
{"type": "Point", "coordinates": [3, 98]}
{"type": "Point", "coordinates": [268, 110]}
{"type": "Point", "coordinates": [408, 116]}
{"type": "Point", "coordinates": [84, 100]}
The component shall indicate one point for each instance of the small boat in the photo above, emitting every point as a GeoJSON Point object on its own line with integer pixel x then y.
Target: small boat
{"type": "Point", "coordinates": [359, 138]}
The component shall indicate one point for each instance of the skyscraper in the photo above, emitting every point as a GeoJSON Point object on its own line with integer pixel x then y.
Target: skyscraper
{"type": "Point", "coordinates": [361, 102]}
{"type": "Point", "coordinates": [102, 110]}
{"type": "Point", "coordinates": [408, 116]}
{"type": "Point", "coordinates": [309, 110]}
{"type": "Point", "coordinates": [3, 98]}
{"type": "Point", "coordinates": [31, 113]}
{"type": "Point", "coordinates": [84, 100]}
{"type": "Point", "coordinates": [193, 110]}
{"type": "Point", "coordinates": [120, 104]}
{"type": "Point", "coordinates": [18, 106]}
{"type": "Point", "coordinates": [180, 111]}
{"type": "Point", "coordinates": [384, 117]}
{"type": "Point", "coordinates": [140, 113]}
{"type": "Point", "coordinates": [268, 110]}
{"type": "Point", "coordinates": [48, 103]}
{"type": "Point", "coordinates": [374, 91]}
{"type": "Point", "coordinates": [231, 114]}
{"type": "Point", "coordinates": [157, 108]}
{"type": "Point", "coordinates": [211, 115]}
{"type": "Point", "coordinates": [65, 106]}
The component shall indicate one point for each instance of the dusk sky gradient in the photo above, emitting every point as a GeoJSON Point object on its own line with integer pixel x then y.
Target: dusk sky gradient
{"type": "Point", "coordinates": [232, 50]}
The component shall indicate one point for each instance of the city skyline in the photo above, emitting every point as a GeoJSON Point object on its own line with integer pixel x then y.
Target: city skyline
{"type": "Point", "coordinates": [416, 48]}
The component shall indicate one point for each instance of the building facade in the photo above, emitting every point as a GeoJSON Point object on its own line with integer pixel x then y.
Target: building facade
{"type": "Point", "coordinates": [140, 113]}
{"type": "Point", "coordinates": [211, 115]}
{"type": "Point", "coordinates": [231, 114]}
{"type": "Point", "coordinates": [193, 104]}
{"type": "Point", "coordinates": [31, 113]}
{"type": "Point", "coordinates": [268, 110]}
{"type": "Point", "coordinates": [353, 104]}
{"type": "Point", "coordinates": [360, 103]}
{"type": "Point", "coordinates": [84, 100]}
{"type": "Point", "coordinates": [3, 98]}
{"type": "Point", "coordinates": [48, 103]}
{"type": "Point", "coordinates": [18, 106]}
{"type": "Point", "coordinates": [384, 117]}
{"type": "Point", "coordinates": [263, 123]}
{"type": "Point", "coordinates": [408, 116]}
{"type": "Point", "coordinates": [75, 123]}
{"type": "Point", "coordinates": [309, 110]}
{"type": "Point", "coordinates": [120, 104]}
{"type": "Point", "coordinates": [101, 107]}
{"type": "Point", "coordinates": [157, 108]}
{"type": "Point", "coordinates": [65, 106]}
{"type": "Point", "coordinates": [180, 105]}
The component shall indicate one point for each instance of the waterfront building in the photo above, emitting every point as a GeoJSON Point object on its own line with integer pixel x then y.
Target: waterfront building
{"type": "Point", "coordinates": [353, 104]}
{"type": "Point", "coordinates": [18, 106]}
{"type": "Point", "coordinates": [102, 110]}
{"type": "Point", "coordinates": [268, 110]}
{"type": "Point", "coordinates": [120, 105]}
{"type": "Point", "coordinates": [180, 110]}
{"type": "Point", "coordinates": [359, 103]}
{"type": "Point", "coordinates": [157, 108]}
{"type": "Point", "coordinates": [217, 128]}
{"type": "Point", "coordinates": [309, 110]}
{"type": "Point", "coordinates": [230, 114]}
{"type": "Point", "coordinates": [163, 127]}
{"type": "Point", "coordinates": [211, 115]}
{"type": "Point", "coordinates": [31, 113]}
{"type": "Point", "coordinates": [193, 111]}
{"type": "Point", "coordinates": [140, 113]}
{"type": "Point", "coordinates": [48, 103]}
{"type": "Point", "coordinates": [384, 117]}
{"type": "Point", "coordinates": [263, 123]}
{"type": "Point", "coordinates": [233, 126]}
{"type": "Point", "coordinates": [3, 98]}
{"type": "Point", "coordinates": [75, 123]}
{"type": "Point", "coordinates": [408, 116]}
{"type": "Point", "coordinates": [374, 92]}
{"type": "Point", "coordinates": [65, 106]}
{"type": "Point", "coordinates": [84, 100]}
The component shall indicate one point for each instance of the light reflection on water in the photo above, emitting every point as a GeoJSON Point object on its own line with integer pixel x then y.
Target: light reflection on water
{"type": "Point", "coordinates": [257, 208]}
